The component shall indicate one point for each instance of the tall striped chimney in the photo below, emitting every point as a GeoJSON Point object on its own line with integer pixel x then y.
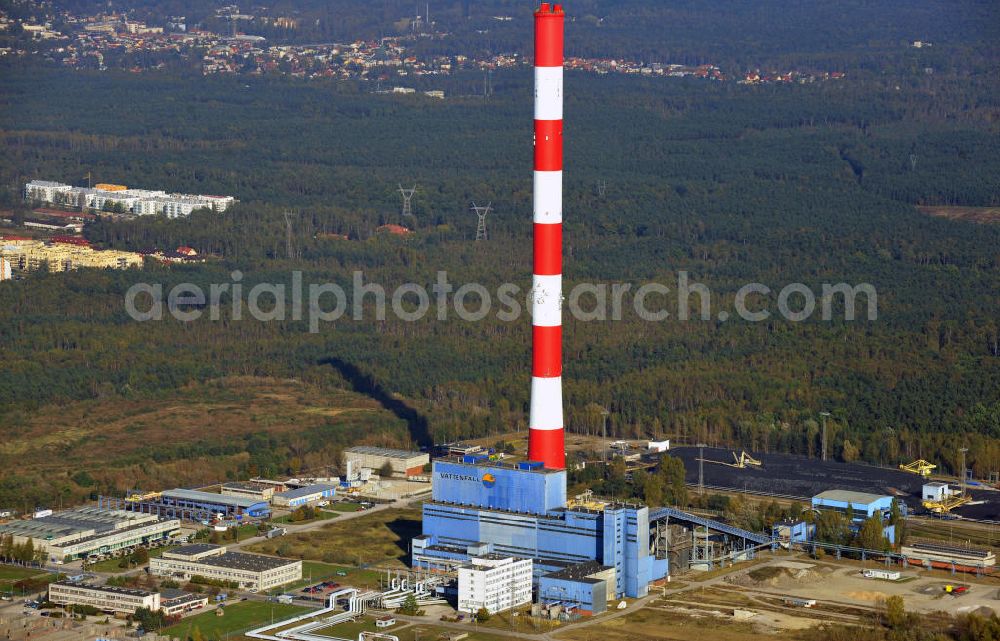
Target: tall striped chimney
{"type": "Point", "coordinates": [545, 435]}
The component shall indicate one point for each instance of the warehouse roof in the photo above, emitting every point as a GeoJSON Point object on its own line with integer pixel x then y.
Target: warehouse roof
{"type": "Point", "coordinates": [105, 588]}
{"type": "Point", "coordinates": [849, 496]}
{"type": "Point", "coordinates": [77, 521]}
{"type": "Point", "coordinates": [581, 572]}
{"type": "Point", "coordinates": [242, 561]}
{"type": "Point", "coordinates": [195, 548]}
{"type": "Point", "coordinates": [306, 491]}
{"type": "Point", "coordinates": [170, 597]}
{"type": "Point", "coordinates": [212, 498]}
{"type": "Point", "coordinates": [954, 550]}
{"type": "Point", "coordinates": [384, 451]}
{"type": "Point", "coordinates": [245, 485]}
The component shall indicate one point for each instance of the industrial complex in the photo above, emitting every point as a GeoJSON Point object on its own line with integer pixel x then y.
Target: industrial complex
{"type": "Point", "coordinates": [85, 532]}
{"type": "Point", "coordinates": [481, 507]}
{"type": "Point", "coordinates": [497, 533]}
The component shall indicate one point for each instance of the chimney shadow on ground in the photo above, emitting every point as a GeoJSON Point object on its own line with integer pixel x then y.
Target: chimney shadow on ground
{"type": "Point", "coordinates": [366, 384]}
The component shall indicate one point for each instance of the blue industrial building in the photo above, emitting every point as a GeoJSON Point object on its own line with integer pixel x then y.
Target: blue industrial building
{"type": "Point", "coordinates": [859, 505]}
{"type": "Point", "coordinates": [793, 531]}
{"type": "Point", "coordinates": [479, 506]}
{"type": "Point", "coordinates": [582, 588]}
{"type": "Point", "coordinates": [307, 495]}
{"type": "Point", "coordinates": [190, 505]}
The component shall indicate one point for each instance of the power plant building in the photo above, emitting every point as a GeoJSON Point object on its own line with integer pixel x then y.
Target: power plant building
{"type": "Point", "coordinates": [481, 507]}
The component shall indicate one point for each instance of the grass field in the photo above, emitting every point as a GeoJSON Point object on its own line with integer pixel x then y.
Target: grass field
{"type": "Point", "coordinates": [316, 571]}
{"type": "Point", "coordinates": [651, 624]}
{"type": "Point", "coordinates": [352, 629]}
{"type": "Point", "coordinates": [111, 565]}
{"type": "Point", "coordinates": [346, 506]}
{"type": "Point", "coordinates": [321, 515]}
{"type": "Point", "coordinates": [239, 618]}
{"type": "Point", "coordinates": [430, 632]}
{"type": "Point", "coordinates": [968, 214]}
{"type": "Point", "coordinates": [11, 574]}
{"type": "Point", "coordinates": [112, 439]}
{"type": "Point", "coordinates": [378, 538]}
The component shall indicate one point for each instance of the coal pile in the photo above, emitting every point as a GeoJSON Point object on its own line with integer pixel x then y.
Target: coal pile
{"type": "Point", "coordinates": [798, 476]}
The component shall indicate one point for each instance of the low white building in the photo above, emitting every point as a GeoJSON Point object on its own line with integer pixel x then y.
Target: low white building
{"type": "Point", "coordinates": [104, 598]}
{"type": "Point", "coordinates": [936, 491]}
{"type": "Point", "coordinates": [255, 572]}
{"type": "Point", "coordinates": [659, 446]}
{"type": "Point", "coordinates": [495, 582]}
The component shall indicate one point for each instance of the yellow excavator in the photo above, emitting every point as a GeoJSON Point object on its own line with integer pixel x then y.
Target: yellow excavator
{"type": "Point", "coordinates": [742, 461]}
{"type": "Point", "coordinates": [947, 503]}
{"type": "Point", "coordinates": [920, 466]}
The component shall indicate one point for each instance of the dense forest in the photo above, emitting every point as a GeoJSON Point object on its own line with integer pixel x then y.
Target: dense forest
{"type": "Point", "coordinates": [730, 183]}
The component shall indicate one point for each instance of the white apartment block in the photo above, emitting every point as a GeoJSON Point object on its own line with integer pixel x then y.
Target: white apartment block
{"type": "Point", "coordinates": [104, 598]}
{"type": "Point", "coordinates": [45, 190]}
{"type": "Point", "coordinates": [497, 583]}
{"type": "Point", "coordinates": [254, 572]}
{"type": "Point", "coordinates": [141, 202]}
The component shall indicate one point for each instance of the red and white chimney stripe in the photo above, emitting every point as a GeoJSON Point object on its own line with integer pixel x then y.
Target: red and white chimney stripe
{"type": "Point", "coordinates": [545, 436]}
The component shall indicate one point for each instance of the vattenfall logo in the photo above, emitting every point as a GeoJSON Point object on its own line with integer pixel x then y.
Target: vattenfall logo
{"type": "Point", "coordinates": [488, 479]}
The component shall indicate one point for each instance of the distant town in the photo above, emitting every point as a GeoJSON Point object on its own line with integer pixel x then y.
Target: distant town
{"type": "Point", "coordinates": [89, 42]}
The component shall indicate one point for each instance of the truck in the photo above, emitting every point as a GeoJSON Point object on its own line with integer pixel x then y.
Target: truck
{"type": "Point", "coordinates": [285, 598]}
{"type": "Point", "coordinates": [275, 532]}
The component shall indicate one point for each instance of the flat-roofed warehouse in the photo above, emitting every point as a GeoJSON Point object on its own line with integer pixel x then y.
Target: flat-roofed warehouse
{"type": "Point", "coordinates": [193, 505]}
{"type": "Point", "coordinates": [403, 462]}
{"type": "Point", "coordinates": [304, 495]}
{"type": "Point", "coordinates": [938, 555]}
{"type": "Point", "coordinates": [86, 531]}
{"type": "Point", "coordinates": [250, 571]}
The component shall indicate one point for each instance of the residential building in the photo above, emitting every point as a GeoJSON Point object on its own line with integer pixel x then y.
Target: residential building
{"type": "Point", "coordinates": [254, 572]}
{"type": "Point", "coordinates": [495, 582]}
{"type": "Point", "coordinates": [30, 255]}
